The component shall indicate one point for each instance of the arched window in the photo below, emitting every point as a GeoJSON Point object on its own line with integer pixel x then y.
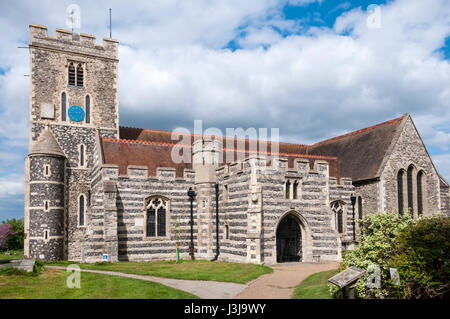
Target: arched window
{"type": "Point", "coordinates": [419, 193]}
{"type": "Point", "coordinates": [71, 74]}
{"type": "Point", "coordinates": [156, 216]}
{"type": "Point", "coordinates": [409, 181]}
{"type": "Point", "coordinates": [227, 231]}
{"type": "Point", "coordinates": [82, 155]}
{"type": "Point", "coordinates": [79, 75]}
{"type": "Point", "coordinates": [81, 211]}
{"type": "Point", "coordinates": [400, 191]}
{"type": "Point", "coordinates": [63, 107]}
{"type": "Point", "coordinates": [288, 189]}
{"type": "Point", "coordinates": [360, 209]}
{"type": "Point", "coordinates": [294, 190]}
{"type": "Point", "coordinates": [88, 109]}
{"type": "Point", "coordinates": [338, 209]}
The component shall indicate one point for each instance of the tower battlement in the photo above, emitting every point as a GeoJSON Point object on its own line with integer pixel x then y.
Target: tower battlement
{"type": "Point", "coordinates": [82, 44]}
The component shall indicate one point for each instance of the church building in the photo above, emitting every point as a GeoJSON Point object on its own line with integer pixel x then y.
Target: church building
{"type": "Point", "coordinates": [94, 189]}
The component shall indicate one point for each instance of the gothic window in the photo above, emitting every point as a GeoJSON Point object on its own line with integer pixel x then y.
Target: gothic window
{"type": "Point", "coordinates": [79, 75]}
{"type": "Point", "coordinates": [409, 181]}
{"type": "Point", "coordinates": [82, 155]}
{"type": "Point", "coordinates": [338, 209]}
{"type": "Point", "coordinates": [89, 199]}
{"type": "Point", "coordinates": [419, 193]}
{"type": "Point", "coordinates": [63, 107]}
{"type": "Point", "coordinates": [71, 74]}
{"type": "Point", "coordinates": [360, 210]}
{"type": "Point", "coordinates": [88, 109]}
{"type": "Point", "coordinates": [294, 190]}
{"type": "Point", "coordinates": [156, 216]}
{"type": "Point", "coordinates": [400, 191]}
{"type": "Point", "coordinates": [288, 189]}
{"type": "Point", "coordinates": [81, 211]}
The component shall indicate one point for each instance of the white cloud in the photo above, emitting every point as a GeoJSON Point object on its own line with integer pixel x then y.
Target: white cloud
{"type": "Point", "coordinates": [11, 185]}
{"type": "Point", "coordinates": [313, 85]}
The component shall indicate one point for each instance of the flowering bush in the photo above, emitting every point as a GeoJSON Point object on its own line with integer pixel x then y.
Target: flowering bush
{"type": "Point", "coordinates": [6, 232]}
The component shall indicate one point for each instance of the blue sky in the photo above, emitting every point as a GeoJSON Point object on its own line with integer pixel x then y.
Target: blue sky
{"type": "Point", "coordinates": [314, 69]}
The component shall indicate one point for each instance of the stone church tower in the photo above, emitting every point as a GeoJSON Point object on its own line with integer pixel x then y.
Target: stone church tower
{"type": "Point", "coordinates": [73, 101]}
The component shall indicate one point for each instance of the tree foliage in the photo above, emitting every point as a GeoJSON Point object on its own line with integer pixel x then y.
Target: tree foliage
{"type": "Point", "coordinates": [15, 239]}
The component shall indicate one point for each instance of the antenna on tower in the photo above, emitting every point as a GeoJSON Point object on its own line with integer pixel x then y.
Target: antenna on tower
{"type": "Point", "coordinates": [110, 27]}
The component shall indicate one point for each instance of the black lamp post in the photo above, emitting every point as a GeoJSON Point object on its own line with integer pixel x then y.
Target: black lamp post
{"type": "Point", "coordinates": [353, 199]}
{"type": "Point", "coordinates": [191, 195]}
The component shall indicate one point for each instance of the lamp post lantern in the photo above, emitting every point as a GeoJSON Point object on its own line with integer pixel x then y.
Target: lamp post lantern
{"type": "Point", "coordinates": [353, 200]}
{"type": "Point", "coordinates": [191, 195]}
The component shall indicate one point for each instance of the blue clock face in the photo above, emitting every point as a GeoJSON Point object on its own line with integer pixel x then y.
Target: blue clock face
{"type": "Point", "coordinates": [76, 113]}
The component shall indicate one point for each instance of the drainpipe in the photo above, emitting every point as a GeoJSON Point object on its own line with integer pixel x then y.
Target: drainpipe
{"type": "Point", "coordinates": [217, 223]}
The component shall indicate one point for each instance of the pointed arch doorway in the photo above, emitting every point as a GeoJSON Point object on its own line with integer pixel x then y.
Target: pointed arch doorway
{"type": "Point", "coordinates": [289, 239]}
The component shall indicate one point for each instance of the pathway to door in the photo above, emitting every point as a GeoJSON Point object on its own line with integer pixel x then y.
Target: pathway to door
{"type": "Point", "coordinates": [281, 283]}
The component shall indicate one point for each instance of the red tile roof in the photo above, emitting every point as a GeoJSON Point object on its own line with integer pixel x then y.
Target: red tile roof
{"type": "Point", "coordinates": [356, 154]}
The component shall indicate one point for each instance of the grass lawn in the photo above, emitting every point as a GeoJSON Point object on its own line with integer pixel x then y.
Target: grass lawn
{"type": "Point", "coordinates": [51, 284]}
{"type": "Point", "coordinates": [187, 269]}
{"type": "Point", "coordinates": [15, 254]}
{"type": "Point", "coordinates": [315, 286]}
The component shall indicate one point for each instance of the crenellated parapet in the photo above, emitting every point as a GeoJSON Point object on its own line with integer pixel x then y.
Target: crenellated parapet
{"type": "Point", "coordinates": [66, 41]}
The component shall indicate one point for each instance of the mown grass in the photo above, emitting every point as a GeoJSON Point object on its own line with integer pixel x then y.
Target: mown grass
{"type": "Point", "coordinates": [315, 286]}
{"type": "Point", "coordinates": [14, 254]}
{"type": "Point", "coordinates": [52, 284]}
{"type": "Point", "coordinates": [187, 269]}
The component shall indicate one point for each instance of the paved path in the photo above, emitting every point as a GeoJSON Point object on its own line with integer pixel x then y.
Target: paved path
{"type": "Point", "coordinates": [281, 283]}
{"type": "Point", "coordinates": [202, 289]}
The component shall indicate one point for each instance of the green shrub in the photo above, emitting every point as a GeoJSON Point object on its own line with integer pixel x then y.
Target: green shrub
{"type": "Point", "coordinates": [419, 249]}
{"type": "Point", "coordinates": [421, 255]}
{"type": "Point", "coordinates": [378, 233]}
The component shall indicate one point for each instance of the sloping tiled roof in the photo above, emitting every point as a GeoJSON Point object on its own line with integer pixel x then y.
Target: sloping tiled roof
{"type": "Point", "coordinates": [141, 153]}
{"type": "Point", "coordinates": [357, 155]}
{"type": "Point", "coordinates": [46, 144]}
{"type": "Point", "coordinates": [361, 152]}
{"type": "Point", "coordinates": [153, 154]}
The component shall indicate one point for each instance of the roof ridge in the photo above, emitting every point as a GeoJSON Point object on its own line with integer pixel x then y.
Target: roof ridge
{"type": "Point", "coordinates": [208, 135]}
{"type": "Point", "coordinates": [119, 140]}
{"type": "Point", "coordinates": [359, 131]}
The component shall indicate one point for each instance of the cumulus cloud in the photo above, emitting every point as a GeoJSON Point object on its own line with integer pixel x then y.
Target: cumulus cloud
{"type": "Point", "coordinates": [176, 65]}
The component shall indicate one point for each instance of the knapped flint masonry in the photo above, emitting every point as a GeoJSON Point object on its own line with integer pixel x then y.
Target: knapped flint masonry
{"type": "Point", "coordinates": [93, 187]}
